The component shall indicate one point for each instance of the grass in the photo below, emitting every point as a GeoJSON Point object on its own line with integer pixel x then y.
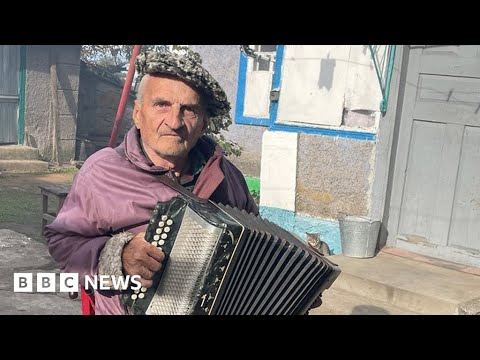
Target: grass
{"type": "Point", "coordinates": [19, 206]}
{"type": "Point", "coordinates": [21, 200]}
{"type": "Point", "coordinates": [21, 211]}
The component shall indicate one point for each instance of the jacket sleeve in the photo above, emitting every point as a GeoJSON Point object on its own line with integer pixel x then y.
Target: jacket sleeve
{"type": "Point", "coordinates": [76, 237]}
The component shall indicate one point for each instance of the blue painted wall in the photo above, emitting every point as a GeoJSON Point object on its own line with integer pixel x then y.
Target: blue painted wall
{"type": "Point", "coordinates": [300, 225]}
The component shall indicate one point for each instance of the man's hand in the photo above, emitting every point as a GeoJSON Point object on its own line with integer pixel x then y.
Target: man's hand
{"type": "Point", "coordinates": [139, 257]}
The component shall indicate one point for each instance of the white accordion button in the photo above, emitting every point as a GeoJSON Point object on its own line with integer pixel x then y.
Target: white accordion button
{"type": "Point", "coordinates": [154, 243]}
{"type": "Point", "coordinates": [161, 224]}
{"type": "Point", "coordinates": [134, 296]}
{"type": "Point", "coordinates": [136, 291]}
{"type": "Point", "coordinates": [161, 242]}
{"type": "Point", "coordinates": [167, 229]}
{"type": "Point", "coordinates": [143, 289]}
{"type": "Point", "coordinates": [156, 237]}
{"type": "Point", "coordinates": [163, 236]}
{"type": "Point", "coordinates": [169, 222]}
{"type": "Point", "coordinates": [141, 296]}
{"type": "Point", "coordinates": [164, 217]}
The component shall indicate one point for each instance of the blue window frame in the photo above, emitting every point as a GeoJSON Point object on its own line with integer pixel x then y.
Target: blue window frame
{"type": "Point", "coordinates": [242, 84]}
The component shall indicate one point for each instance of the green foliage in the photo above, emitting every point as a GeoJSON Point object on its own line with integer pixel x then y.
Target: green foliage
{"type": "Point", "coordinates": [253, 184]}
{"type": "Point", "coordinates": [256, 196]}
{"type": "Point", "coordinates": [230, 147]}
{"type": "Point", "coordinates": [113, 58]}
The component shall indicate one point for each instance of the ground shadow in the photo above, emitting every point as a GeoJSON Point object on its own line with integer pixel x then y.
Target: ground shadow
{"type": "Point", "coordinates": [369, 310]}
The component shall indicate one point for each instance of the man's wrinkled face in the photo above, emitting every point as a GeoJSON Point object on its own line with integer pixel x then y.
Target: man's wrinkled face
{"type": "Point", "coordinates": [170, 116]}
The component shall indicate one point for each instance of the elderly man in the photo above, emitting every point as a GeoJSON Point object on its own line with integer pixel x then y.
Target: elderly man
{"type": "Point", "coordinates": [100, 229]}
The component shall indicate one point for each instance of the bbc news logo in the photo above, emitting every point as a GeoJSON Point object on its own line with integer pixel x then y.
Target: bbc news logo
{"type": "Point", "coordinates": [68, 282]}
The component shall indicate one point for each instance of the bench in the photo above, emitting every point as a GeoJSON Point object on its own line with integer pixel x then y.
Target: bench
{"type": "Point", "coordinates": [59, 192]}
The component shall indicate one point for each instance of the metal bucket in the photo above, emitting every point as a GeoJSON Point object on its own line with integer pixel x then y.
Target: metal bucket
{"type": "Point", "coordinates": [359, 236]}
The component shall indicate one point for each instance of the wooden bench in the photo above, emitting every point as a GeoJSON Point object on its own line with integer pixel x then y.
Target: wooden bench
{"type": "Point", "coordinates": [59, 192]}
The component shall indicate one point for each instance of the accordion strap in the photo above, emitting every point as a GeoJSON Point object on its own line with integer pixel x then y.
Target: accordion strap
{"type": "Point", "coordinates": [164, 179]}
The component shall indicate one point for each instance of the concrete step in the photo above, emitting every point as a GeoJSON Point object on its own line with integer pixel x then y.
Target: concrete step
{"type": "Point", "coordinates": [341, 302]}
{"type": "Point", "coordinates": [404, 283]}
{"type": "Point", "coordinates": [18, 152]}
{"type": "Point", "coordinates": [23, 166]}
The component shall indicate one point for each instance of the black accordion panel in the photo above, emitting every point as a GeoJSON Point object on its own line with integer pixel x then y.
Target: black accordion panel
{"type": "Point", "coordinates": [222, 261]}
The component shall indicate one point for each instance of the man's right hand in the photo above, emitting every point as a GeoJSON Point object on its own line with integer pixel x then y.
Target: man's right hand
{"type": "Point", "coordinates": [139, 257]}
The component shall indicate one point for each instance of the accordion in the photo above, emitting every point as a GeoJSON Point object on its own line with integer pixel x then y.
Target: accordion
{"type": "Point", "coordinates": [223, 261]}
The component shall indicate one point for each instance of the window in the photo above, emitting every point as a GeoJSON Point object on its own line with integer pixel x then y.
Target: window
{"type": "Point", "coordinates": [265, 57]}
{"type": "Point", "coordinates": [257, 66]}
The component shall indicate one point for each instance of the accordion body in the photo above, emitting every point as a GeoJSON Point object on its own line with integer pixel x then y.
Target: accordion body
{"type": "Point", "coordinates": [223, 261]}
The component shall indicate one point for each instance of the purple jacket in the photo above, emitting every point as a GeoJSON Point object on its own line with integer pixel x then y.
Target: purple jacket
{"type": "Point", "coordinates": [114, 192]}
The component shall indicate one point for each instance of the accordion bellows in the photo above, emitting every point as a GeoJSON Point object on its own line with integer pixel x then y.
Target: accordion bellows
{"type": "Point", "coordinates": [223, 261]}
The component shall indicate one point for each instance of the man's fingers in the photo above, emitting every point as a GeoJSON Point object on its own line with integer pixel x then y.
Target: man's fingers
{"type": "Point", "coordinates": [151, 264]}
{"type": "Point", "coordinates": [155, 253]}
{"type": "Point", "coordinates": [146, 273]}
{"type": "Point", "coordinates": [139, 252]}
{"type": "Point", "coordinates": [146, 283]}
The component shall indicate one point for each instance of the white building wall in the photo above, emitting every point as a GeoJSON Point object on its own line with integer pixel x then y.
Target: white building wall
{"type": "Point", "coordinates": [278, 175]}
{"type": "Point", "coordinates": [313, 84]}
{"type": "Point", "coordinates": [362, 90]}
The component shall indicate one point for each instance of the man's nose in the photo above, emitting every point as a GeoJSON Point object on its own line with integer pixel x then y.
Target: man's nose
{"type": "Point", "coordinates": [174, 118]}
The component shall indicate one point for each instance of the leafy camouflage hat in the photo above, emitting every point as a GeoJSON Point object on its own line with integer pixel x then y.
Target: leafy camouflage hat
{"type": "Point", "coordinates": [189, 68]}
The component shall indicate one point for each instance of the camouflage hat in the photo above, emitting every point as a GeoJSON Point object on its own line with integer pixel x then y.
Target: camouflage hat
{"type": "Point", "coordinates": [188, 68]}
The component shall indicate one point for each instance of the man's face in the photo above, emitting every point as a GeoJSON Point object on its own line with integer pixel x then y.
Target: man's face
{"type": "Point", "coordinates": [170, 117]}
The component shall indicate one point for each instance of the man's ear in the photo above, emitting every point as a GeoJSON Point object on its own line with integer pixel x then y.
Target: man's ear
{"type": "Point", "coordinates": [137, 119]}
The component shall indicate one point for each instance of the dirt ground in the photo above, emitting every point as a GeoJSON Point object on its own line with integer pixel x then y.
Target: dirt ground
{"type": "Point", "coordinates": [21, 200]}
